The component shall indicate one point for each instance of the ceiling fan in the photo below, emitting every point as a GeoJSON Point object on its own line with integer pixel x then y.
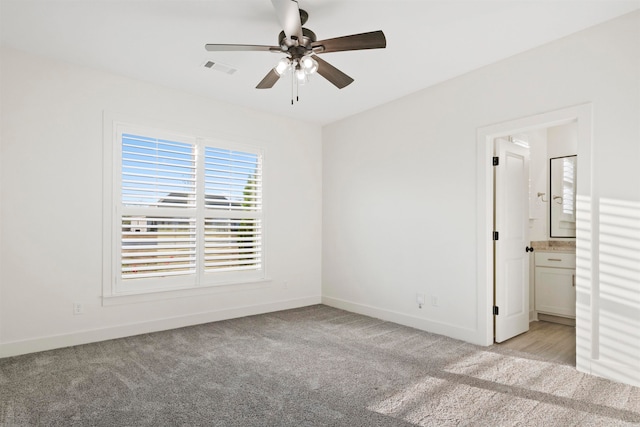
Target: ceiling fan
{"type": "Point", "coordinates": [302, 48]}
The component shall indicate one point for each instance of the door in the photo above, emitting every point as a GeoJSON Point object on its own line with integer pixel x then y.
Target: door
{"type": "Point", "coordinates": [511, 269]}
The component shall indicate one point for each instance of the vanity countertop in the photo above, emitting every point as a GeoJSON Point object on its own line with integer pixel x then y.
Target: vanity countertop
{"type": "Point", "coordinates": [554, 246]}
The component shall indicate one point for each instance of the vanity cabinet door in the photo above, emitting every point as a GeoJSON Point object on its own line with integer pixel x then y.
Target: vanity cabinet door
{"type": "Point", "coordinates": [556, 291]}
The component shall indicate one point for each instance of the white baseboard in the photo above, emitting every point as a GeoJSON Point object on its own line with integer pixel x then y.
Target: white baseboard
{"type": "Point", "coordinates": [469, 335]}
{"type": "Point", "coordinates": [533, 316]}
{"type": "Point", "coordinates": [85, 337]}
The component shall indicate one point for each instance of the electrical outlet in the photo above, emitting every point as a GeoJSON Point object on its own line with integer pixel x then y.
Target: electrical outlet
{"type": "Point", "coordinates": [420, 299]}
{"type": "Point", "coordinates": [78, 308]}
{"type": "Point", "coordinates": [434, 301]}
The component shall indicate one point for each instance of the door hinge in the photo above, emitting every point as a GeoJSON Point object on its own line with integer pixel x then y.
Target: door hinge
{"type": "Point", "coordinates": [496, 161]}
{"type": "Point", "coordinates": [495, 310]}
{"type": "Point", "coordinates": [495, 235]}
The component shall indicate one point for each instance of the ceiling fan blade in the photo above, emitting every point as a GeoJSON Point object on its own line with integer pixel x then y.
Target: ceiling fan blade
{"type": "Point", "coordinates": [241, 47]}
{"type": "Point", "coordinates": [289, 17]}
{"type": "Point", "coordinates": [331, 73]}
{"type": "Point", "coordinates": [269, 80]}
{"type": "Point", "coordinates": [372, 40]}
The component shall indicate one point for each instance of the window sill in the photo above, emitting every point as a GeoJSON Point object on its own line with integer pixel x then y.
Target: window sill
{"type": "Point", "coordinates": [159, 295]}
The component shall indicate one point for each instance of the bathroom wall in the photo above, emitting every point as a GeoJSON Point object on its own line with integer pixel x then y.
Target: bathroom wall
{"type": "Point", "coordinates": [539, 183]}
{"type": "Point", "coordinates": [544, 144]}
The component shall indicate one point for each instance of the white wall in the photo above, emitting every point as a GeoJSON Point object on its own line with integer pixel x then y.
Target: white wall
{"type": "Point", "coordinates": [400, 207]}
{"type": "Point", "coordinates": [562, 140]}
{"type": "Point", "coordinates": [555, 141]}
{"type": "Point", "coordinates": [539, 183]}
{"type": "Point", "coordinates": [51, 175]}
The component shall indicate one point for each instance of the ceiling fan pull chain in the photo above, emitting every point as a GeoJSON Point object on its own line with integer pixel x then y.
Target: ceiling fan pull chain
{"type": "Point", "coordinates": [292, 77]}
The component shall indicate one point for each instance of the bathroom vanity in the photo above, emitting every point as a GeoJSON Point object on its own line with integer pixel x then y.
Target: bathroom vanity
{"type": "Point", "coordinates": [555, 283]}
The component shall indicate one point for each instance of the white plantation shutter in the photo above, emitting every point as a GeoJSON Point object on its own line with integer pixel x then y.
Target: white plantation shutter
{"type": "Point", "coordinates": [233, 201]}
{"type": "Point", "coordinates": [189, 214]}
{"type": "Point", "coordinates": [232, 244]}
{"type": "Point", "coordinates": [157, 172]}
{"type": "Point", "coordinates": [158, 246]}
{"type": "Point", "coordinates": [233, 180]}
{"type": "Point", "coordinates": [569, 187]}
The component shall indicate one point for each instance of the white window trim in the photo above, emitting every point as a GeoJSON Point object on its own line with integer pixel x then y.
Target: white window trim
{"type": "Point", "coordinates": [204, 283]}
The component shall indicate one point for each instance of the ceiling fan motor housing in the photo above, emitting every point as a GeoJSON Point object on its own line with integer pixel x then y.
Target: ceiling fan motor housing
{"type": "Point", "coordinates": [286, 44]}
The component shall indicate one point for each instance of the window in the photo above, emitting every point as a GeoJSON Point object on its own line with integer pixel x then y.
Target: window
{"type": "Point", "coordinates": [569, 186]}
{"type": "Point", "coordinates": [188, 212]}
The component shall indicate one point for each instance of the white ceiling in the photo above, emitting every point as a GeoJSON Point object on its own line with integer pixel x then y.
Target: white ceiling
{"type": "Point", "coordinates": [163, 42]}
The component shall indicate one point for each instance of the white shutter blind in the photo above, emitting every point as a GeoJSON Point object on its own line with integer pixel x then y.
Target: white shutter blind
{"type": "Point", "coordinates": [233, 180]}
{"type": "Point", "coordinates": [569, 187]}
{"type": "Point", "coordinates": [156, 246]}
{"type": "Point", "coordinates": [232, 244]}
{"type": "Point", "coordinates": [157, 172]}
{"type": "Point", "coordinates": [233, 227]}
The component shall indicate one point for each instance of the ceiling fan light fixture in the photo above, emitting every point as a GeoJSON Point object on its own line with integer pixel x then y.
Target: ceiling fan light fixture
{"type": "Point", "coordinates": [301, 75]}
{"type": "Point", "coordinates": [282, 66]}
{"type": "Point", "coordinates": [309, 65]}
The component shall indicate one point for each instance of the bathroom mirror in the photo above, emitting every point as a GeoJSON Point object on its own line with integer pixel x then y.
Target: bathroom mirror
{"type": "Point", "coordinates": [562, 202]}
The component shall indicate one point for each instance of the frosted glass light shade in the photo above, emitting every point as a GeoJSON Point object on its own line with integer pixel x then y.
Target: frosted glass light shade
{"type": "Point", "coordinates": [309, 65]}
{"type": "Point", "coordinates": [282, 66]}
{"type": "Point", "coordinates": [301, 75]}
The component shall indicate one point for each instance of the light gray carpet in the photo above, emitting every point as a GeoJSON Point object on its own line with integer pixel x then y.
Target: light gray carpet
{"type": "Point", "coordinates": [314, 366]}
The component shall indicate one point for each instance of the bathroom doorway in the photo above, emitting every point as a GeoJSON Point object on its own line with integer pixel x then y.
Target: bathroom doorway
{"type": "Point", "coordinates": [581, 116]}
{"type": "Point", "coordinates": [534, 210]}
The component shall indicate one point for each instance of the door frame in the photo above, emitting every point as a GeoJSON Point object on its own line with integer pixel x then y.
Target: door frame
{"type": "Point", "coordinates": [485, 194]}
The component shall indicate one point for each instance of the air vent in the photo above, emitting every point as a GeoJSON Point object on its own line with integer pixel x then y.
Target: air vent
{"type": "Point", "coordinates": [227, 69]}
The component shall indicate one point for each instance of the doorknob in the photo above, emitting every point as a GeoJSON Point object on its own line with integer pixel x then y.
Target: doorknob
{"type": "Point", "coordinates": [529, 249]}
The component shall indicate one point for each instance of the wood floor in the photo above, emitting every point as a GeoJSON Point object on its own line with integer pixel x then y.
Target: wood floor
{"type": "Point", "coordinates": [551, 341]}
